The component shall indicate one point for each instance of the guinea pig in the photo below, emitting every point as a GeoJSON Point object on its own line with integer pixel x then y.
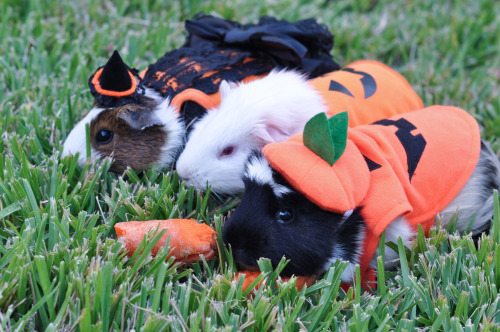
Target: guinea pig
{"type": "Point", "coordinates": [277, 106]}
{"type": "Point", "coordinates": [129, 122]}
{"type": "Point", "coordinates": [298, 206]}
{"type": "Point", "coordinates": [249, 116]}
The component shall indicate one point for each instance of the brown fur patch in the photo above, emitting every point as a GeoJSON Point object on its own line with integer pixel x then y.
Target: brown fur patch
{"type": "Point", "coordinates": [137, 149]}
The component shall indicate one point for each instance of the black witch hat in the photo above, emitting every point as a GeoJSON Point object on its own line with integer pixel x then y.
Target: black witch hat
{"type": "Point", "coordinates": [115, 83]}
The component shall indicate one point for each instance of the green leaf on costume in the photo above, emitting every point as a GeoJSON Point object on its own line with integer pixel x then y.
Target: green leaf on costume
{"type": "Point", "coordinates": [317, 138]}
{"type": "Point", "coordinates": [327, 138]}
{"type": "Point", "coordinates": [338, 128]}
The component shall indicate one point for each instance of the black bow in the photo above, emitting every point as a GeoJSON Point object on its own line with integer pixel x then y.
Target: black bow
{"type": "Point", "coordinates": [303, 45]}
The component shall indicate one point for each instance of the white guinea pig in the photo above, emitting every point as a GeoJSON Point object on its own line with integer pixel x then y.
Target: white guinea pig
{"type": "Point", "coordinates": [249, 116]}
{"type": "Point", "coordinates": [277, 106]}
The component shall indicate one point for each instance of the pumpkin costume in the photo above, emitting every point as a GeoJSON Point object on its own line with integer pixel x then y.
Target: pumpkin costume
{"type": "Point", "coordinates": [369, 90]}
{"type": "Point", "coordinates": [410, 165]}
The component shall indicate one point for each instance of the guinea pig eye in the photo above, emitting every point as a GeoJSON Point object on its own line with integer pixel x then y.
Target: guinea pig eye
{"type": "Point", "coordinates": [104, 136]}
{"type": "Point", "coordinates": [228, 150]}
{"type": "Point", "coordinates": [284, 216]}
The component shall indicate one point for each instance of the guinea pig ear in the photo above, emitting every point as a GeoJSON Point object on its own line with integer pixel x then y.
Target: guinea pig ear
{"type": "Point", "coordinates": [225, 87]}
{"type": "Point", "coordinates": [140, 119]}
{"type": "Point", "coordinates": [269, 133]}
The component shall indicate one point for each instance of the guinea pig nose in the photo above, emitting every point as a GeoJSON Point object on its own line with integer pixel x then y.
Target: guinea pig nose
{"type": "Point", "coordinates": [184, 174]}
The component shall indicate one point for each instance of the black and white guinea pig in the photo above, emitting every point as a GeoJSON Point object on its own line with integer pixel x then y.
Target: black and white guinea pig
{"type": "Point", "coordinates": [273, 220]}
{"type": "Point", "coordinates": [250, 115]}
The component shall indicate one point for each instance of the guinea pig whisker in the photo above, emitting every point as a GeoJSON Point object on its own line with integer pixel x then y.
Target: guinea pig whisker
{"type": "Point", "coordinates": [345, 217]}
{"type": "Point", "coordinates": [217, 197]}
{"type": "Point", "coordinates": [229, 200]}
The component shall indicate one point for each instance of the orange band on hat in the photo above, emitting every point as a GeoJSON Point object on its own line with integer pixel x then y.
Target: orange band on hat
{"type": "Point", "coordinates": [197, 96]}
{"type": "Point", "coordinates": [97, 85]}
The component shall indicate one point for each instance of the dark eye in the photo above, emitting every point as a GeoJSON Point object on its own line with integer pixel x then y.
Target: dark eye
{"type": "Point", "coordinates": [227, 151]}
{"type": "Point", "coordinates": [104, 136]}
{"type": "Point", "coordinates": [284, 215]}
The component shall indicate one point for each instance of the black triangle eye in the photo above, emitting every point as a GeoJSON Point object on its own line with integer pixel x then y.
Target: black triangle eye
{"type": "Point", "coordinates": [104, 136]}
{"type": "Point", "coordinates": [284, 216]}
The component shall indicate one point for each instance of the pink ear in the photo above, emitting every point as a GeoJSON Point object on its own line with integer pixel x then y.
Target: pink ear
{"type": "Point", "coordinates": [269, 133]}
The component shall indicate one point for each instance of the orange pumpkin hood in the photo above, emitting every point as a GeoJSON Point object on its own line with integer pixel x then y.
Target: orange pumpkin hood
{"type": "Point", "coordinates": [329, 187]}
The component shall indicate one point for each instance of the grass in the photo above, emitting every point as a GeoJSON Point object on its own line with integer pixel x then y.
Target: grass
{"type": "Point", "coordinates": [61, 266]}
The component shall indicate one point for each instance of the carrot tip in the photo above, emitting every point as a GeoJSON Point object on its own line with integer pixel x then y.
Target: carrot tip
{"type": "Point", "coordinates": [188, 238]}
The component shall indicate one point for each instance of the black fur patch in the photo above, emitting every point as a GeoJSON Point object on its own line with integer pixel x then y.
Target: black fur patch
{"type": "Point", "coordinates": [191, 112]}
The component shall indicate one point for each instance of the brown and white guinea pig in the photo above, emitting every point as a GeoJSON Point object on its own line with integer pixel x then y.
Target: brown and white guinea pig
{"type": "Point", "coordinates": [277, 106]}
{"type": "Point", "coordinates": [430, 164]}
{"type": "Point", "coordinates": [129, 122]}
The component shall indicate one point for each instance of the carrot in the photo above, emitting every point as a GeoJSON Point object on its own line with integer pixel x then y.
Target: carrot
{"type": "Point", "coordinates": [188, 238]}
{"type": "Point", "coordinates": [250, 276]}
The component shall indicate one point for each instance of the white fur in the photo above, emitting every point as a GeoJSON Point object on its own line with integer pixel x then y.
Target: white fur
{"type": "Point", "coordinates": [338, 252]}
{"type": "Point", "coordinates": [399, 227]}
{"type": "Point", "coordinates": [76, 141]}
{"type": "Point", "coordinates": [173, 127]}
{"type": "Point", "coordinates": [259, 170]}
{"type": "Point", "coordinates": [249, 116]}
